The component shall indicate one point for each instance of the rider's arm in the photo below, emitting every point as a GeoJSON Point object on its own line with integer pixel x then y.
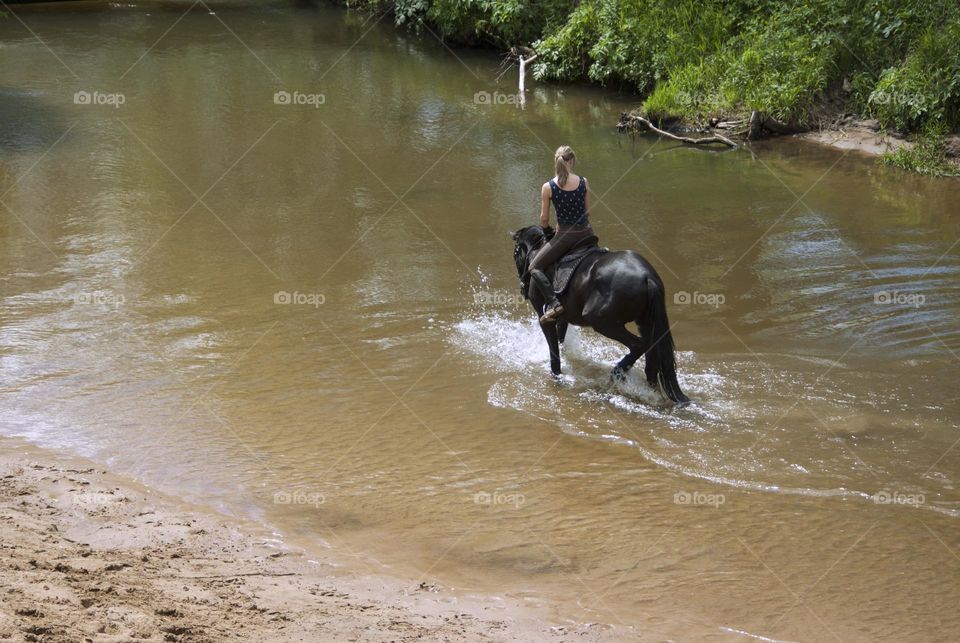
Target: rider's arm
{"type": "Point", "coordinates": [545, 205]}
{"type": "Point", "coordinates": [586, 197]}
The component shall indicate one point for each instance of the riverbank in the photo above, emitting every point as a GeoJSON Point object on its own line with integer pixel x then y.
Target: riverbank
{"type": "Point", "coordinates": [846, 132]}
{"type": "Point", "coordinates": [89, 555]}
{"type": "Point", "coordinates": [693, 63]}
{"type": "Point", "coordinates": [860, 135]}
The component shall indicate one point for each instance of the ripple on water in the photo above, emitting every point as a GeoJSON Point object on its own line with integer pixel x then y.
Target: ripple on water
{"type": "Point", "coordinates": [781, 429]}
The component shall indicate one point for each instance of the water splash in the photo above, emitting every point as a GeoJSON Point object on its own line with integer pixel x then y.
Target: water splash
{"type": "Point", "coordinates": [740, 432]}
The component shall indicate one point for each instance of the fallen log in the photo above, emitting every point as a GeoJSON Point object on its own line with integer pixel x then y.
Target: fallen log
{"type": "Point", "coordinates": [632, 121]}
{"type": "Point", "coordinates": [761, 122]}
{"type": "Point", "coordinates": [728, 124]}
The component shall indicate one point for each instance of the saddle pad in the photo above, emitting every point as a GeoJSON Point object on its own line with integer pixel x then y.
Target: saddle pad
{"type": "Point", "coordinates": [568, 265]}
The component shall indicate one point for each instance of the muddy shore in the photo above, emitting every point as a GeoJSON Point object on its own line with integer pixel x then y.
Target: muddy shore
{"type": "Point", "coordinates": [92, 556]}
{"type": "Point", "coordinates": [858, 135]}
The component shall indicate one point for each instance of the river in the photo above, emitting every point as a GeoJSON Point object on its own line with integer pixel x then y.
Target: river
{"type": "Point", "coordinates": [258, 256]}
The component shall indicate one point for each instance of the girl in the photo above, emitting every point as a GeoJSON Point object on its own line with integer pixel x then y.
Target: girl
{"type": "Point", "coordinates": [570, 195]}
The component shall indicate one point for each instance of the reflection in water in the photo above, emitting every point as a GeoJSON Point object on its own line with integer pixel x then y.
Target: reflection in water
{"type": "Point", "coordinates": [145, 248]}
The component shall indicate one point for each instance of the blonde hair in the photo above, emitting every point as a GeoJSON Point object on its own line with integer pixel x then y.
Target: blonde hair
{"type": "Point", "coordinates": [561, 158]}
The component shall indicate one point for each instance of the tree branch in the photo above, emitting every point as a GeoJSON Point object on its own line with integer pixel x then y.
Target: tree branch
{"type": "Point", "coordinates": [523, 75]}
{"type": "Point", "coordinates": [632, 120]}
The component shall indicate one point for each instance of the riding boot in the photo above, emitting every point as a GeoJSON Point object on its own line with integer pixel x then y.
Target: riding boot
{"type": "Point", "coordinates": [553, 309]}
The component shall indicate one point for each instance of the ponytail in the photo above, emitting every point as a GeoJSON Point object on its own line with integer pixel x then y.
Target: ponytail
{"type": "Point", "coordinates": [563, 155]}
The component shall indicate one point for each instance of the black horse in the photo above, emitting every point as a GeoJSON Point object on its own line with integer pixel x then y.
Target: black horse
{"type": "Point", "coordinates": [608, 291]}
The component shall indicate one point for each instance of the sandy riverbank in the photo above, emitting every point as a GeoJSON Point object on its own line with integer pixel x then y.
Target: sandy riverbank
{"type": "Point", "coordinates": [859, 135]}
{"type": "Point", "coordinates": [863, 136]}
{"type": "Point", "coordinates": [92, 556]}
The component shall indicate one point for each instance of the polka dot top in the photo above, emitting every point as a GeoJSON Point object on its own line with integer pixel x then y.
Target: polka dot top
{"type": "Point", "coordinates": [571, 205]}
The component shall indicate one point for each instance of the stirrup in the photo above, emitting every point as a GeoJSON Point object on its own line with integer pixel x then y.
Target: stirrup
{"type": "Point", "coordinates": [551, 314]}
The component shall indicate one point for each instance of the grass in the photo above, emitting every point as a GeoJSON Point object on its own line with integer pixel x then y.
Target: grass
{"type": "Point", "coordinates": [927, 156]}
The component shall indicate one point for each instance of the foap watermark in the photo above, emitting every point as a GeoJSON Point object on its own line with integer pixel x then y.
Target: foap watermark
{"type": "Point", "coordinates": [693, 98]}
{"type": "Point", "coordinates": [299, 98]}
{"type": "Point", "coordinates": [299, 497]}
{"type": "Point", "coordinates": [284, 298]}
{"type": "Point", "coordinates": [496, 98]}
{"type": "Point", "coordinates": [98, 298]}
{"type": "Point", "coordinates": [97, 500]}
{"type": "Point", "coordinates": [894, 97]}
{"type": "Point", "coordinates": [498, 298]}
{"type": "Point", "coordinates": [696, 298]}
{"type": "Point", "coordinates": [897, 298]}
{"type": "Point", "coordinates": [699, 499]}
{"type": "Point", "coordinates": [497, 498]}
{"type": "Point", "coordinates": [888, 497]}
{"type": "Point", "coordinates": [84, 97]}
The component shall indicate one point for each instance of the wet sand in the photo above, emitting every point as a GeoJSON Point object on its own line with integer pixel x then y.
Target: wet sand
{"type": "Point", "coordinates": [91, 556]}
{"type": "Point", "coordinates": [857, 135]}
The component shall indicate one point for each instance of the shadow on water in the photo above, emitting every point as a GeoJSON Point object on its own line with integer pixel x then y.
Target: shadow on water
{"type": "Point", "coordinates": [28, 121]}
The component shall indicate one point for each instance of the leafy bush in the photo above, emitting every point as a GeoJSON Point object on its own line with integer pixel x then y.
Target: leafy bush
{"type": "Point", "coordinates": [926, 87]}
{"type": "Point", "coordinates": [778, 71]}
{"type": "Point", "coordinates": [631, 42]}
{"type": "Point", "coordinates": [692, 92]}
{"type": "Point", "coordinates": [927, 156]}
{"type": "Point", "coordinates": [563, 55]}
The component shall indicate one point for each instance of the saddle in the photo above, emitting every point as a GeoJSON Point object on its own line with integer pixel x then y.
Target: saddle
{"type": "Point", "coordinates": [564, 269]}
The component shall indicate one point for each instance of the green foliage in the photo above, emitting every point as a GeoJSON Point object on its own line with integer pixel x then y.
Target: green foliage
{"type": "Point", "coordinates": [778, 71]}
{"type": "Point", "coordinates": [410, 11]}
{"type": "Point", "coordinates": [564, 54]}
{"type": "Point", "coordinates": [927, 156]}
{"type": "Point", "coordinates": [501, 23]}
{"type": "Point", "coordinates": [926, 87]}
{"type": "Point", "coordinates": [632, 42]}
{"type": "Point", "coordinates": [692, 92]}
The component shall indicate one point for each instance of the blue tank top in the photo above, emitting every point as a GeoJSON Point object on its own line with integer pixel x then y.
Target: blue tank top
{"type": "Point", "coordinates": [571, 206]}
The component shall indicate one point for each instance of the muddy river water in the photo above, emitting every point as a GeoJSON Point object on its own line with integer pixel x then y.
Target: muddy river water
{"type": "Point", "coordinates": [258, 256]}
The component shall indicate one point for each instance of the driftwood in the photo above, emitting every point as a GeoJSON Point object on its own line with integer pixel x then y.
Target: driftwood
{"type": "Point", "coordinates": [759, 124]}
{"type": "Point", "coordinates": [523, 74]}
{"type": "Point", "coordinates": [633, 122]}
{"type": "Point", "coordinates": [522, 56]}
{"type": "Point", "coordinates": [760, 121]}
{"type": "Point", "coordinates": [731, 125]}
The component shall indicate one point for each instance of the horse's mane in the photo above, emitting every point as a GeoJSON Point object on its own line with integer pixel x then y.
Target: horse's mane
{"type": "Point", "coordinates": [533, 236]}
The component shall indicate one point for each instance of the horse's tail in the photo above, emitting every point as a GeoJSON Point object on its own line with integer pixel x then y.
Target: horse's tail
{"type": "Point", "coordinates": [661, 365]}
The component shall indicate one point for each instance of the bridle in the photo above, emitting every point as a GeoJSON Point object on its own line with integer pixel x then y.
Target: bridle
{"type": "Point", "coordinates": [521, 253]}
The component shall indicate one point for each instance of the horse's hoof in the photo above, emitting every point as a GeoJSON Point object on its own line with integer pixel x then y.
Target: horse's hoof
{"type": "Point", "coordinates": [618, 374]}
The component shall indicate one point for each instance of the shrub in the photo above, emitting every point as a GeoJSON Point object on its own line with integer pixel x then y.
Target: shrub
{"type": "Point", "coordinates": [927, 156]}
{"type": "Point", "coordinates": [926, 87]}
{"type": "Point", "coordinates": [563, 54]}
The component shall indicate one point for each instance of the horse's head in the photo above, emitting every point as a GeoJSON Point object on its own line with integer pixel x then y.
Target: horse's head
{"type": "Point", "coordinates": [526, 240]}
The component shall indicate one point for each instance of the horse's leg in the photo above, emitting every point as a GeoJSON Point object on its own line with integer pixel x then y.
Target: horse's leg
{"type": "Point", "coordinates": [650, 370]}
{"type": "Point", "coordinates": [562, 330]}
{"type": "Point", "coordinates": [633, 343]}
{"type": "Point", "coordinates": [550, 332]}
